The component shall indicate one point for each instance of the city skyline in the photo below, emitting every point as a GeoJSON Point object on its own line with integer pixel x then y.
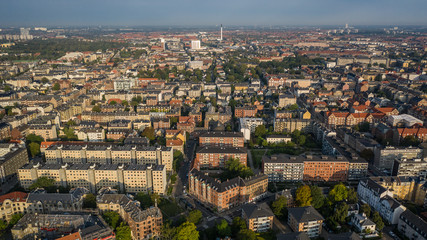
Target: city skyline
{"type": "Point", "coordinates": [192, 13]}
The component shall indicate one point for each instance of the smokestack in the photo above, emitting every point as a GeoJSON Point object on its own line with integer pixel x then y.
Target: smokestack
{"type": "Point", "coordinates": [221, 33]}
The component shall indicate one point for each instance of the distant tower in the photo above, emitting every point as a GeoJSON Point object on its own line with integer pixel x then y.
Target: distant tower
{"type": "Point", "coordinates": [346, 25]}
{"type": "Point", "coordinates": [221, 34]}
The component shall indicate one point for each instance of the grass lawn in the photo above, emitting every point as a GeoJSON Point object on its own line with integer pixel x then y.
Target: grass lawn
{"type": "Point", "coordinates": [257, 157]}
{"type": "Point", "coordinates": [169, 208]}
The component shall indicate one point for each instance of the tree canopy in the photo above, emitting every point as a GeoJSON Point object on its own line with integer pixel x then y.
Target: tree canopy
{"type": "Point", "coordinates": [338, 193]}
{"type": "Point", "coordinates": [187, 231]}
{"type": "Point", "coordinates": [303, 196]}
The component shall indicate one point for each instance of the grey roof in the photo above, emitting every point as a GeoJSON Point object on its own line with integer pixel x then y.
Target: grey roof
{"type": "Point", "coordinates": [415, 222]}
{"type": "Point", "coordinates": [257, 210]}
{"type": "Point", "coordinates": [51, 197]}
{"type": "Point", "coordinates": [222, 134]}
{"type": "Point", "coordinates": [305, 214]}
{"type": "Point", "coordinates": [222, 150]}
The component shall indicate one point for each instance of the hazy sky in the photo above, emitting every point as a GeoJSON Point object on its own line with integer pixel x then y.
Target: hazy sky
{"type": "Point", "coordinates": [202, 12]}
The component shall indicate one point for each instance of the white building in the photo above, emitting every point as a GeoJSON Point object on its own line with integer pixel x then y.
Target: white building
{"type": "Point", "coordinates": [380, 199]}
{"type": "Point", "coordinates": [195, 44]}
{"type": "Point", "coordinates": [248, 125]}
{"type": "Point", "coordinates": [362, 223]}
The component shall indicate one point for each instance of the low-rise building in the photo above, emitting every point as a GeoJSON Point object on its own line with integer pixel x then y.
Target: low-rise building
{"type": "Point", "coordinates": [362, 223]}
{"type": "Point", "coordinates": [274, 139]}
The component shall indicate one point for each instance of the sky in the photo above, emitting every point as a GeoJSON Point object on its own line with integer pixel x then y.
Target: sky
{"type": "Point", "coordinates": [213, 12]}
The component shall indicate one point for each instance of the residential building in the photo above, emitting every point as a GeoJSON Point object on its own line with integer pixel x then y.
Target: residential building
{"type": "Point", "coordinates": [45, 131]}
{"type": "Point", "coordinates": [131, 178]}
{"type": "Point", "coordinates": [274, 139]}
{"type": "Point", "coordinates": [12, 158]}
{"type": "Point", "coordinates": [248, 126]}
{"type": "Point", "coordinates": [12, 203]}
{"type": "Point", "coordinates": [109, 153]}
{"type": "Point", "coordinates": [362, 223]}
{"type": "Point", "coordinates": [55, 226]}
{"type": "Point", "coordinates": [222, 139]}
{"type": "Point", "coordinates": [384, 156]}
{"type": "Point", "coordinates": [410, 167]}
{"type": "Point", "coordinates": [258, 217]}
{"type": "Point", "coordinates": [412, 226]}
{"type": "Point", "coordinates": [223, 195]}
{"type": "Point", "coordinates": [144, 224]}
{"type": "Point", "coordinates": [380, 199]}
{"type": "Point", "coordinates": [305, 219]}
{"type": "Point", "coordinates": [216, 157]}
{"type": "Point", "coordinates": [289, 125]}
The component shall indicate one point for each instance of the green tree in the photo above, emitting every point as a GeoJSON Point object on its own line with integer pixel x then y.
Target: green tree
{"type": "Point", "coordinates": [7, 88]}
{"type": "Point", "coordinates": [187, 231]}
{"type": "Point", "coordinates": [237, 225]}
{"type": "Point", "coordinates": [340, 212]}
{"type": "Point", "coordinates": [89, 201]}
{"type": "Point", "coordinates": [168, 232]}
{"type": "Point", "coordinates": [410, 141]}
{"type": "Point", "coordinates": [44, 80]}
{"type": "Point", "coordinates": [292, 107]}
{"type": "Point", "coordinates": [34, 138]}
{"type": "Point", "coordinates": [194, 216]}
{"type": "Point", "coordinates": [338, 193]}
{"type": "Point", "coordinates": [178, 158]}
{"type": "Point", "coordinates": [223, 229]}
{"type": "Point", "coordinates": [123, 232]}
{"type": "Point", "coordinates": [303, 196]}
{"type": "Point", "coordinates": [34, 149]}
{"type": "Point", "coordinates": [378, 78]}
{"type": "Point", "coordinates": [56, 87]}
{"type": "Point", "coordinates": [260, 131]}
{"type": "Point", "coordinates": [148, 132]}
{"type": "Point", "coordinates": [365, 208]}
{"type": "Point", "coordinates": [112, 218]}
{"type": "Point", "coordinates": [317, 196]}
{"type": "Point", "coordinates": [113, 102]}
{"type": "Point", "coordinates": [3, 225]}
{"type": "Point", "coordinates": [376, 218]}
{"type": "Point", "coordinates": [43, 182]}
{"type": "Point", "coordinates": [125, 103]}
{"type": "Point", "coordinates": [279, 207]}
{"type": "Point", "coordinates": [96, 108]}
{"type": "Point", "coordinates": [15, 218]}
{"type": "Point", "coordinates": [352, 196]}
{"type": "Point", "coordinates": [144, 199]}
{"type": "Point", "coordinates": [246, 234]}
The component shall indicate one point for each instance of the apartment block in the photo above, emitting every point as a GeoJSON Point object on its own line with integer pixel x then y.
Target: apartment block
{"type": "Point", "coordinates": [410, 167]}
{"type": "Point", "coordinates": [245, 111]}
{"type": "Point", "coordinates": [305, 219]}
{"type": "Point", "coordinates": [109, 154]}
{"type": "Point", "coordinates": [412, 226]}
{"type": "Point", "coordinates": [284, 167]}
{"type": "Point", "coordinates": [258, 217]}
{"type": "Point", "coordinates": [126, 177]}
{"type": "Point", "coordinates": [291, 124]}
{"type": "Point", "coordinates": [44, 131]}
{"type": "Point", "coordinates": [223, 195]}
{"type": "Point", "coordinates": [384, 157]}
{"type": "Point", "coordinates": [216, 157]}
{"type": "Point", "coordinates": [380, 199]}
{"type": "Point", "coordinates": [222, 139]}
{"type": "Point", "coordinates": [144, 224]}
{"type": "Point", "coordinates": [12, 157]}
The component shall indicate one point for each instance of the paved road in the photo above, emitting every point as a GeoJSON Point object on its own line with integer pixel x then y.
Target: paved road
{"type": "Point", "coordinates": [184, 169]}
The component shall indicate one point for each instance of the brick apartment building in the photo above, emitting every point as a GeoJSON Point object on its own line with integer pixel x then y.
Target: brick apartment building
{"type": "Point", "coordinates": [222, 139]}
{"type": "Point", "coordinates": [223, 195]}
{"type": "Point", "coordinates": [214, 157]}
